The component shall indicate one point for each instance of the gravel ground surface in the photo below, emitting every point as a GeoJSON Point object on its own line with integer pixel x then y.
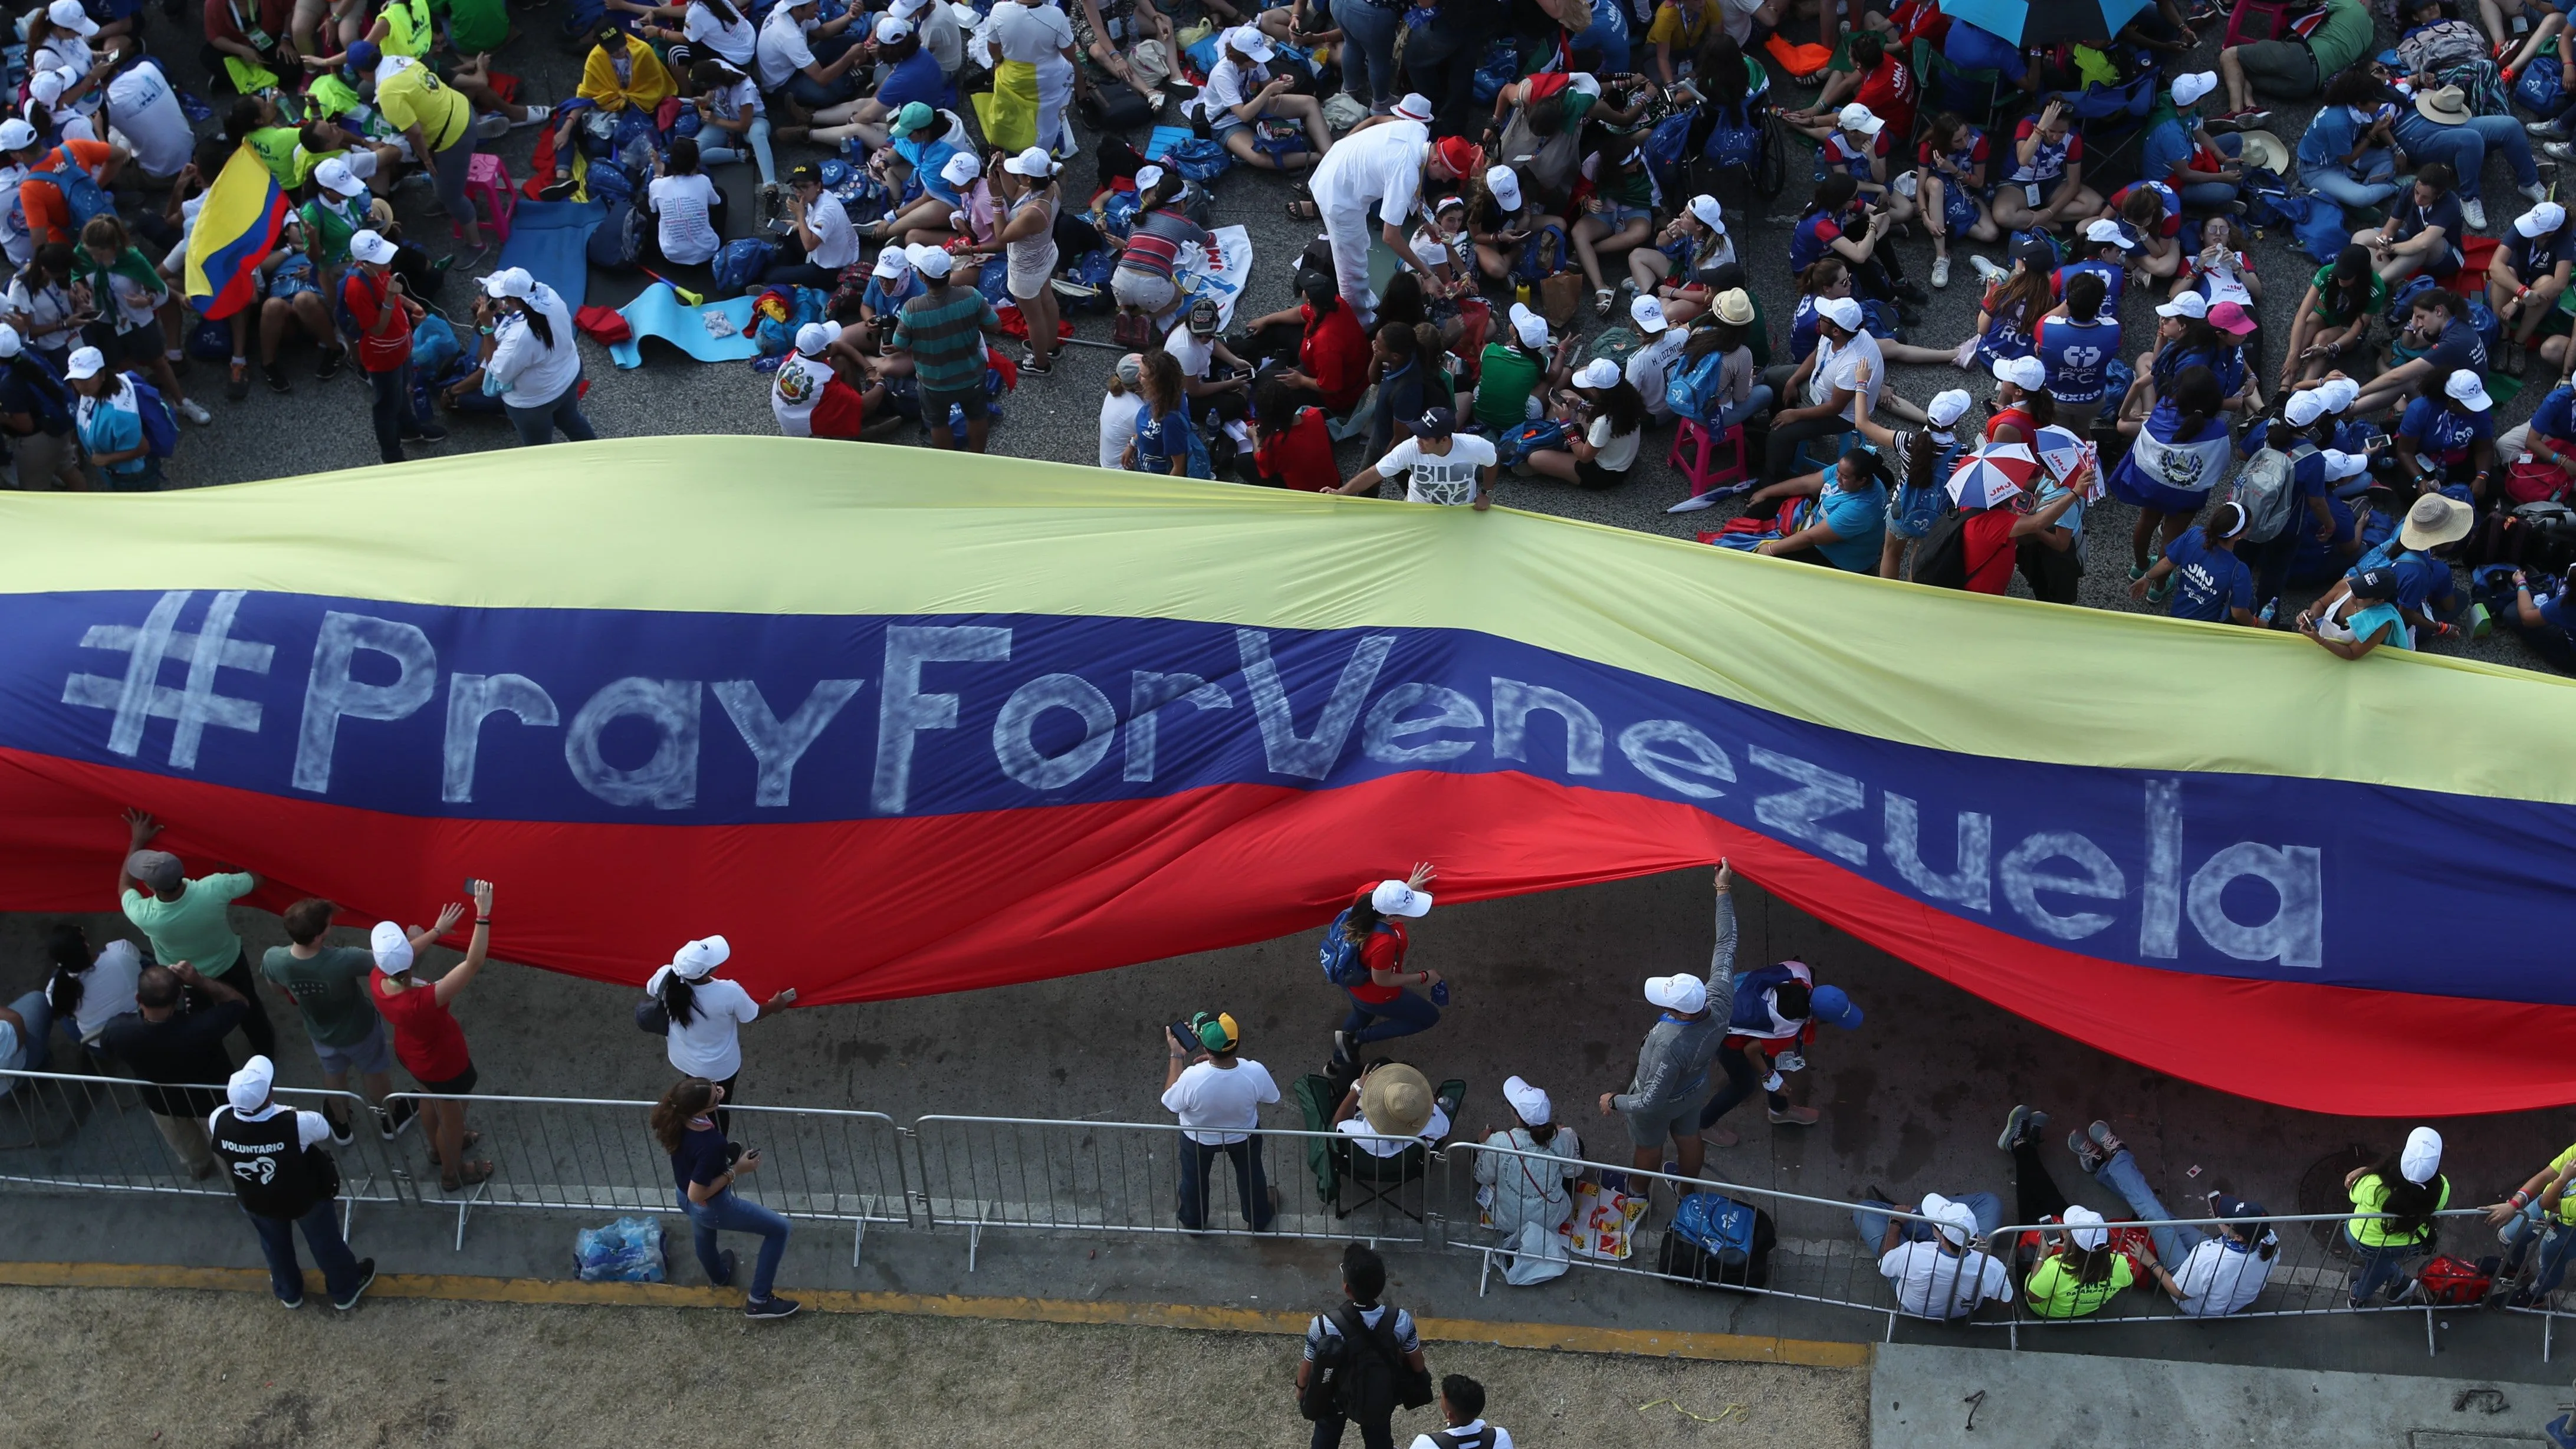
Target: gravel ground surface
{"type": "Point", "coordinates": [177, 1369]}
{"type": "Point", "coordinates": [325, 425]}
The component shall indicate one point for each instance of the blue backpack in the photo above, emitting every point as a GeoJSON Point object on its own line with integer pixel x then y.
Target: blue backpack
{"type": "Point", "coordinates": [1691, 390]}
{"type": "Point", "coordinates": [1735, 140]}
{"type": "Point", "coordinates": [2056, 256]}
{"type": "Point", "coordinates": [1718, 1242]}
{"type": "Point", "coordinates": [160, 429]}
{"type": "Point", "coordinates": [1200, 159]}
{"type": "Point", "coordinates": [1667, 149]}
{"type": "Point", "coordinates": [1719, 1225]}
{"type": "Point", "coordinates": [2541, 88]}
{"type": "Point", "coordinates": [81, 192]}
{"type": "Point", "coordinates": [1515, 446]}
{"type": "Point", "coordinates": [1502, 66]}
{"type": "Point", "coordinates": [739, 263]}
{"type": "Point", "coordinates": [1339, 958]}
{"type": "Point", "coordinates": [2483, 321]}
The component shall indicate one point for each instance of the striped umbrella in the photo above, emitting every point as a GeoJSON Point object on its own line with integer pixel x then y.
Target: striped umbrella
{"type": "Point", "coordinates": [1993, 474]}
{"type": "Point", "coordinates": [2070, 461]}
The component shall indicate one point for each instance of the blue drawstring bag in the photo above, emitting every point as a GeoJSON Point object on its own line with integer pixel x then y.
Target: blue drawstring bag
{"type": "Point", "coordinates": [1201, 160]}
{"type": "Point", "coordinates": [629, 1250]}
{"type": "Point", "coordinates": [433, 346]}
{"type": "Point", "coordinates": [1502, 67]}
{"type": "Point", "coordinates": [1515, 446]}
{"type": "Point", "coordinates": [2541, 89]}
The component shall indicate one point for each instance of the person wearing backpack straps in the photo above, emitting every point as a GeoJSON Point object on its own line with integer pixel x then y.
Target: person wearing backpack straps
{"type": "Point", "coordinates": [1362, 1360]}
{"type": "Point", "coordinates": [64, 185]}
{"type": "Point", "coordinates": [1922, 460]}
{"type": "Point", "coordinates": [286, 1181]}
{"type": "Point", "coordinates": [1363, 953]}
{"type": "Point", "coordinates": [2303, 439]}
{"type": "Point", "coordinates": [1462, 1409]}
{"type": "Point", "coordinates": [36, 409]}
{"type": "Point", "coordinates": [109, 419]}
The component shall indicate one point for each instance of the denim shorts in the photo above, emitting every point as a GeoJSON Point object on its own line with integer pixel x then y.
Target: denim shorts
{"type": "Point", "coordinates": [372, 1053]}
{"type": "Point", "coordinates": [1618, 216]}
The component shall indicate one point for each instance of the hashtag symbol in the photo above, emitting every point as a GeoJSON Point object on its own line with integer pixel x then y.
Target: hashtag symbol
{"type": "Point", "coordinates": [138, 696]}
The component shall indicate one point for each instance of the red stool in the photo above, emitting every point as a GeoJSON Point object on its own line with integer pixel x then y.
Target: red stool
{"type": "Point", "coordinates": [487, 189]}
{"type": "Point", "coordinates": [2255, 20]}
{"type": "Point", "coordinates": [1709, 460]}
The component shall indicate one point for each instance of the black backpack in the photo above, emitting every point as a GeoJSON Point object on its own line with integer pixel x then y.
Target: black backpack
{"type": "Point", "coordinates": [1359, 1372]}
{"type": "Point", "coordinates": [1941, 560]}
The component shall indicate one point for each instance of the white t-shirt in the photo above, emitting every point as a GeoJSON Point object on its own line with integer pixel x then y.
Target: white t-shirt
{"type": "Point", "coordinates": [48, 310]}
{"type": "Point", "coordinates": [1932, 1284]}
{"type": "Point", "coordinates": [736, 42]}
{"type": "Point", "coordinates": [1225, 1099]}
{"type": "Point", "coordinates": [15, 239]}
{"type": "Point", "coordinates": [1227, 86]}
{"type": "Point", "coordinates": [682, 202]}
{"type": "Point", "coordinates": [1367, 1140]}
{"type": "Point", "coordinates": [830, 222]}
{"type": "Point", "coordinates": [2217, 1279]}
{"type": "Point", "coordinates": [1031, 33]}
{"type": "Point", "coordinates": [1613, 452]}
{"type": "Point", "coordinates": [1449, 478]}
{"type": "Point", "coordinates": [1839, 367]}
{"type": "Point", "coordinates": [107, 988]}
{"type": "Point", "coordinates": [781, 50]}
{"type": "Point", "coordinates": [141, 104]}
{"type": "Point", "coordinates": [733, 102]}
{"type": "Point", "coordinates": [1194, 353]}
{"type": "Point", "coordinates": [535, 373]}
{"type": "Point", "coordinates": [940, 35]}
{"type": "Point", "coordinates": [710, 1046]}
{"type": "Point", "coordinates": [1380, 166]}
{"type": "Point", "coordinates": [794, 390]}
{"type": "Point", "coordinates": [1502, 1436]}
{"type": "Point", "coordinates": [1118, 413]}
{"type": "Point", "coordinates": [68, 52]}
{"type": "Point", "coordinates": [1649, 366]}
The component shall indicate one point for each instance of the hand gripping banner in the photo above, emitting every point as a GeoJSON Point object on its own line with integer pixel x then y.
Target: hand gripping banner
{"type": "Point", "coordinates": [897, 723]}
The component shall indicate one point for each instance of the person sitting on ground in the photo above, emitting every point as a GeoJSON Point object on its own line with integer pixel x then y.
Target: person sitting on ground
{"type": "Point", "coordinates": [2076, 344]}
{"type": "Point", "coordinates": [1846, 527]}
{"type": "Point", "coordinates": [688, 209]}
{"type": "Point", "coordinates": [1952, 185]}
{"type": "Point", "coordinates": [822, 390]}
{"type": "Point", "coordinates": [2075, 1271]}
{"type": "Point", "coordinates": [1608, 425]}
{"type": "Point", "coordinates": [2043, 181]}
{"type": "Point", "coordinates": [2181, 152]}
{"type": "Point", "coordinates": [2447, 436]}
{"type": "Point", "coordinates": [2542, 620]}
{"type": "Point", "coordinates": [1514, 235]}
{"type": "Point", "coordinates": [2332, 329]}
{"type": "Point", "coordinates": [733, 121]}
{"type": "Point", "coordinates": [1519, 366]}
{"type": "Point", "coordinates": [1618, 216]}
{"type": "Point", "coordinates": [1166, 441]}
{"type": "Point", "coordinates": [2317, 43]}
{"type": "Point", "coordinates": [790, 67]}
{"type": "Point", "coordinates": [1678, 271]}
{"type": "Point", "coordinates": [1244, 101]}
{"type": "Point", "coordinates": [1933, 1265]}
{"type": "Point", "coordinates": [2362, 616]}
{"type": "Point", "coordinates": [2529, 272]}
{"type": "Point", "coordinates": [2348, 154]}
{"type": "Point", "coordinates": [2436, 342]}
{"type": "Point", "coordinates": [1526, 1181]}
{"type": "Point", "coordinates": [2014, 302]}
{"type": "Point", "coordinates": [1133, 41]}
{"type": "Point", "coordinates": [2424, 231]}
{"type": "Point", "coordinates": [1292, 444]}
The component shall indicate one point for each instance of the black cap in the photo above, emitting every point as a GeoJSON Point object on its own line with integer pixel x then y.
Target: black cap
{"type": "Point", "coordinates": [2375, 584]}
{"type": "Point", "coordinates": [2245, 1217]}
{"type": "Point", "coordinates": [803, 172]}
{"type": "Point", "coordinates": [1436, 423]}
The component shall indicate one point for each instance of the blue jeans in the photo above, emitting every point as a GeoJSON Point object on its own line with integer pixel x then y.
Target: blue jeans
{"type": "Point", "coordinates": [752, 146]}
{"type": "Point", "coordinates": [2557, 1242]}
{"type": "Point", "coordinates": [2121, 1175]}
{"type": "Point", "coordinates": [2370, 181]}
{"type": "Point", "coordinates": [806, 92]}
{"type": "Point", "coordinates": [330, 1253]}
{"type": "Point", "coordinates": [1198, 1157]}
{"type": "Point", "coordinates": [2209, 195]}
{"type": "Point", "coordinates": [1385, 1020]}
{"type": "Point", "coordinates": [34, 1051]}
{"type": "Point", "coordinates": [2379, 1266]}
{"type": "Point", "coordinates": [2465, 147]}
{"type": "Point", "coordinates": [729, 1211]}
{"type": "Point", "coordinates": [537, 425]}
{"type": "Point", "coordinates": [1368, 66]}
{"type": "Point", "coordinates": [1871, 1219]}
{"type": "Point", "coordinates": [1740, 1084]}
{"type": "Point", "coordinates": [1753, 406]}
{"type": "Point", "coordinates": [396, 415]}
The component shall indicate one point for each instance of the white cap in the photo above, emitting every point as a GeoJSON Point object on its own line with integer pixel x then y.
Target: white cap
{"type": "Point", "coordinates": [932, 262]}
{"type": "Point", "coordinates": [892, 263]}
{"type": "Point", "coordinates": [2104, 229]}
{"type": "Point", "coordinates": [1647, 313]}
{"type": "Point", "coordinates": [371, 246]}
{"type": "Point", "coordinates": [1146, 176]}
{"type": "Point", "coordinates": [2341, 393]}
{"type": "Point", "coordinates": [1706, 208]}
{"type": "Point", "coordinates": [1599, 372]}
{"type": "Point", "coordinates": [1248, 40]}
{"type": "Point", "coordinates": [1529, 326]}
{"type": "Point", "coordinates": [2342, 465]}
{"type": "Point", "coordinates": [2305, 407]}
{"type": "Point", "coordinates": [10, 343]}
{"type": "Point", "coordinates": [510, 282]}
{"type": "Point", "coordinates": [1857, 117]}
{"type": "Point", "coordinates": [70, 16]}
{"type": "Point", "coordinates": [906, 9]}
{"type": "Point", "coordinates": [2466, 388]}
{"type": "Point", "coordinates": [1414, 108]}
{"type": "Point", "coordinates": [16, 135]}
{"type": "Point", "coordinates": [2541, 220]}
{"type": "Point", "coordinates": [814, 337]}
{"type": "Point", "coordinates": [1583, 82]}
{"type": "Point", "coordinates": [85, 362]}
{"type": "Point", "coordinates": [1505, 183]}
{"type": "Point", "coordinates": [698, 960]}
{"type": "Point", "coordinates": [1953, 1220]}
{"type": "Point", "coordinates": [890, 29]}
{"type": "Point", "coordinates": [1677, 993]}
{"type": "Point", "coordinates": [392, 948]}
{"type": "Point", "coordinates": [46, 87]}
{"type": "Point", "coordinates": [247, 1089]}
{"type": "Point", "coordinates": [1843, 312]}
{"type": "Point", "coordinates": [2084, 1228]}
{"type": "Point", "coordinates": [961, 169]}
{"type": "Point", "coordinates": [1948, 407]}
{"type": "Point", "coordinates": [1395, 898]}
{"type": "Point", "coordinates": [2188, 89]}
{"type": "Point", "coordinates": [1033, 162]}
{"type": "Point", "coordinates": [336, 178]}
{"type": "Point", "coordinates": [2189, 304]}
{"type": "Point", "coordinates": [2028, 373]}
{"type": "Point", "coordinates": [1531, 1103]}
{"type": "Point", "coordinates": [2421, 1162]}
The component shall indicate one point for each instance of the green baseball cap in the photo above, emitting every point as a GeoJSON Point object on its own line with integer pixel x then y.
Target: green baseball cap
{"type": "Point", "coordinates": [913, 116]}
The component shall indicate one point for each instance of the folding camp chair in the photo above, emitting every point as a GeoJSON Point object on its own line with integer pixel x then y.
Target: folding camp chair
{"type": "Point", "coordinates": [2113, 121]}
{"type": "Point", "coordinates": [1942, 80]}
{"type": "Point", "coordinates": [1344, 1164]}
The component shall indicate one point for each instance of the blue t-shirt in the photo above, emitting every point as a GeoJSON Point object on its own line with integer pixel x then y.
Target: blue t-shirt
{"type": "Point", "coordinates": [1972, 48]}
{"type": "Point", "coordinates": [2167, 147]}
{"type": "Point", "coordinates": [2115, 283]}
{"type": "Point", "coordinates": [2421, 578]}
{"type": "Point", "coordinates": [32, 385]}
{"type": "Point", "coordinates": [2444, 434]}
{"type": "Point", "coordinates": [2458, 347]}
{"type": "Point", "coordinates": [915, 78]}
{"type": "Point", "coordinates": [112, 429]}
{"type": "Point", "coordinates": [2556, 415]}
{"type": "Point", "coordinates": [2554, 612]}
{"type": "Point", "coordinates": [883, 303]}
{"type": "Point", "coordinates": [1802, 329]}
{"type": "Point", "coordinates": [2078, 356]}
{"type": "Point", "coordinates": [1861, 519]}
{"type": "Point", "coordinates": [1813, 238]}
{"type": "Point", "coordinates": [2209, 583]}
{"type": "Point", "coordinates": [1160, 440]}
{"type": "Point", "coordinates": [701, 1159]}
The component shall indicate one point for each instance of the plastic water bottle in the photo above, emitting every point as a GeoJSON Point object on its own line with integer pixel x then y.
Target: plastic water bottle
{"type": "Point", "coordinates": [1440, 993]}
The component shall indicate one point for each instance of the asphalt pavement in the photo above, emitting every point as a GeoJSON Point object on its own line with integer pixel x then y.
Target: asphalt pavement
{"type": "Point", "coordinates": [322, 426]}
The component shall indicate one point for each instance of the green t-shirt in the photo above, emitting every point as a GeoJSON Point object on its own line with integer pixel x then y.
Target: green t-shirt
{"type": "Point", "coordinates": [2054, 1291]}
{"type": "Point", "coordinates": [275, 146]}
{"type": "Point", "coordinates": [477, 26]}
{"type": "Point", "coordinates": [2370, 1195]}
{"type": "Point", "coordinates": [2327, 312]}
{"type": "Point", "coordinates": [2346, 35]}
{"type": "Point", "coordinates": [196, 928]}
{"type": "Point", "coordinates": [330, 989]}
{"type": "Point", "coordinates": [1505, 378]}
{"type": "Point", "coordinates": [327, 229]}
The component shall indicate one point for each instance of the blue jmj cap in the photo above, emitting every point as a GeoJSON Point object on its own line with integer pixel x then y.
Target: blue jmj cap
{"type": "Point", "coordinates": [1829, 1004]}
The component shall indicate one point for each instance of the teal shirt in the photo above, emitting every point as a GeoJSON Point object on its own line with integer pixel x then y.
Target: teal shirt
{"type": "Point", "coordinates": [197, 927]}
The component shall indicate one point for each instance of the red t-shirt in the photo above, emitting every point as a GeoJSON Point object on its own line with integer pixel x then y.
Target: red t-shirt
{"type": "Point", "coordinates": [2013, 418]}
{"type": "Point", "coordinates": [841, 412]}
{"type": "Point", "coordinates": [1384, 951]}
{"type": "Point", "coordinates": [1335, 353]}
{"type": "Point", "coordinates": [368, 298]}
{"type": "Point", "coordinates": [1302, 456]}
{"type": "Point", "coordinates": [426, 1036]}
{"type": "Point", "coordinates": [1986, 540]}
{"type": "Point", "coordinates": [1891, 95]}
{"type": "Point", "coordinates": [49, 217]}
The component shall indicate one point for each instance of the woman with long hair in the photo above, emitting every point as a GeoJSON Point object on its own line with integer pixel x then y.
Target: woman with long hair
{"type": "Point", "coordinates": [1506, 223]}
{"type": "Point", "coordinates": [1618, 216]}
{"type": "Point", "coordinates": [1364, 950]}
{"type": "Point", "coordinates": [531, 358]}
{"type": "Point", "coordinates": [2181, 453]}
{"type": "Point", "coordinates": [2012, 307]}
{"type": "Point", "coordinates": [427, 1039]}
{"type": "Point", "coordinates": [1954, 174]}
{"type": "Point", "coordinates": [2075, 1271]}
{"type": "Point", "coordinates": [1609, 422]}
{"type": "Point", "coordinates": [85, 990]}
{"type": "Point", "coordinates": [708, 1011]}
{"type": "Point", "coordinates": [1687, 252]}
{"type": "Point", "coordinates": [1026, 185]}
{"type": "Point", "coordinates": [704, 1169]}
{"type": "Point", "coordinates": [1166, 440]}
{"type": "Point", "coordinates": [2393, 1203]}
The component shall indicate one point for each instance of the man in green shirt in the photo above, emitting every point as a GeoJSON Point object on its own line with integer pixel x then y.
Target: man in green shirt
{"type": "Point", "coordinates": [188, 920]}
{"type": "Point", "coordinates": [2320, 42]}
{"type": "Point", "coordinates": [477, 27]}
{"type": "Point", "coordinates": [329, 986]}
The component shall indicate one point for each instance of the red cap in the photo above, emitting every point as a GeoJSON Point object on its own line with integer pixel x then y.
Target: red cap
{"type": "Point", "coordinates": [1462, 156]}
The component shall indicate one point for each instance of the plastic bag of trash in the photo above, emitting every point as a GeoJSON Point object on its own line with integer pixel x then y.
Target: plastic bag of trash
{"type": "Point", "coordinates": [628, 1250]}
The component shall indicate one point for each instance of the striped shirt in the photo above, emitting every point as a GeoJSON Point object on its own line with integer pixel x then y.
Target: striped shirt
{"type": "Point", "coordinates": [1155, 245]}
{"type": "Point", "coordinates": [943, 330]}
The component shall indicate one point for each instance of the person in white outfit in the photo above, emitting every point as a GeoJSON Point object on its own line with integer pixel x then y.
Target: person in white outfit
{"type": "Point", "coordinates": [1382, 166]}
{"type": "Point", "coordinates": [707, 1013]}
{"type": "Point", "coordinates": [1038, 33]}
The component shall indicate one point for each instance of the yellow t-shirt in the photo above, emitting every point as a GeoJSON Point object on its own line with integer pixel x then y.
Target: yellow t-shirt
{"type": "Point", "coordinates": [1679, 30]}
{"type": "Point", "coordinates": [2370, 1195]}
{"type": "Point", "coordinates": [413, 95]}
{"type": "Point", "coordinates": [2567, 1199]}
{"type": "Point", "coordinates": [2055, 1292]}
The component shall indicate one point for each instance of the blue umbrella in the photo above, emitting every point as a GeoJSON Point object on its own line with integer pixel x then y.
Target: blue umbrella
{"type": "Point", "coordinates": [2076, 21]}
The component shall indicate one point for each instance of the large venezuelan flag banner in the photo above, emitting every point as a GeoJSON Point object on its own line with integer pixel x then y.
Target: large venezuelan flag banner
{"type": "Point", "coordinates": [900, 722]}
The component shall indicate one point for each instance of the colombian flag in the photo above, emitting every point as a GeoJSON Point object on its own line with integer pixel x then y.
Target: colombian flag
{"type": "Point", "coordinates": [236, 227]}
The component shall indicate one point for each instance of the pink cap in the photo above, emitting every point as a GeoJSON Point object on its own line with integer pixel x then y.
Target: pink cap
{"type": "Point", "coordinates": [2230, 318]}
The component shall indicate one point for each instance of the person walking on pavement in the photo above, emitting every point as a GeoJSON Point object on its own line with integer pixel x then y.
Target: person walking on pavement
{"type": "Point", "coordinates": [286, 1181]}
{"type": "Point", "coordinates": [1462, 1409]}
{"type": "Point", "coordinates": [1363, 953]}
{"type": "Point", "coordinates": [1662, 1103]}
{"type": "Point", "coordinates": [704, 1169]}
{"type": "Point", "coordinates": [176, 1050]}
{"type": "Point", "coordinates": [1776, 1011]}
{"type": "Point", "coordinates": [1218, 1098]}
{"type": "Point", "coordinates": [1363, 1360]}
{"type": "Point", "coordinates": [328, 984]}
{"type": "Point", "coordinates": [187, 920]}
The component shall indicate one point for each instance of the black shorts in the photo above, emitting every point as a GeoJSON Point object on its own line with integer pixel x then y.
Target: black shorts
{"type": "Point", "coordinates": [976, 402]}
{"type": "Point", "coordinates": [462, 1084]}
{"type": "Point", "coordinates": [1589, 473]}
{"type": "Point", "coordinates": [124, 349]}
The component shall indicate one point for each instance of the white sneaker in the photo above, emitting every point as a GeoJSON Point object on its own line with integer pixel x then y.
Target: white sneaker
{"type": "Point", "coordinates": [2535, 193]}
{"type": "Point", "coordinates": [1941, 270]}
{"type": "Point", "coordinates": [1986, 270]}
{"type": "Point", "coordinates": [2474, 214]}
{"type": "Point", "coordinates": [194, 411]}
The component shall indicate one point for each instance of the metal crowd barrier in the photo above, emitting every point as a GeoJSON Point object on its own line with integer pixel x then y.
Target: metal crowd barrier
{"type": "Point", "coordinates": [578, 1154]}
{"type": "Point", "coordinates": [982, 1173]}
